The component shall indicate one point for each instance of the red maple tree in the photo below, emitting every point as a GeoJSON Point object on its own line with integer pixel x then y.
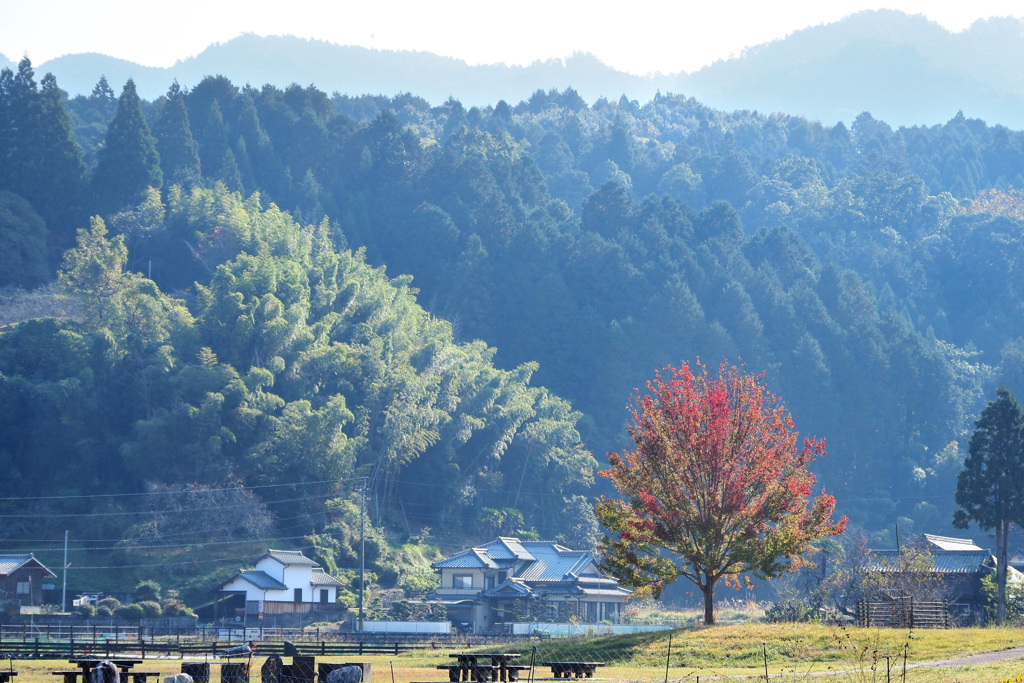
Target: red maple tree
{"type": "Point", "coordinates": [716, 487]}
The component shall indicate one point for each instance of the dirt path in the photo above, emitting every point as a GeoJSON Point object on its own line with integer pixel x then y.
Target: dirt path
{"type": "Point", "coordinates": [970, 660]}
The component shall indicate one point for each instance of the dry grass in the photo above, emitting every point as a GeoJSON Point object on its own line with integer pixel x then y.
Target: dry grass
{"type": "Point", "coordinates": [796, 652]}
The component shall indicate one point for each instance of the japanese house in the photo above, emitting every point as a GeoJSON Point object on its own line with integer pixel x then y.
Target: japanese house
{"type": "Point", "coordinates": [510, 580]}
{"type": "Point", "coordinates": [284, 582]}
{"type": "Point", "coordinates": [21, 579]}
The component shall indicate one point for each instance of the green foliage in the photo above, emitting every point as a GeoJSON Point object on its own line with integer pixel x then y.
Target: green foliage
{"type": "Point", "coordinates": [86, 611]}
{"type": "Point", "coordinates": [1014, 599]}
{"type": "Point", "coordinates": [108, 603]}
{"type": "Point", "coordinates": [176, 608]}
{"type": "Point", "coordinates": [416, 585]}
{"type": "Point", "coordinates": [147, 590]}
{"type": "Point", "coordinates": [151, 608]}
{"type": "Point", "coordinates": [990, 488]}
{"type": "Point", "coordinates": [128, 162]}
{"type": "Point", "coordinates": [838, 261]}
{"type": "Point", "coordinates": [134, 611]}
{"type": "Point", "coordinates": [23, 259]}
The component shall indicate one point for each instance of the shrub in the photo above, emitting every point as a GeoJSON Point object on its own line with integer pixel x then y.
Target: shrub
{"type": "Point", "coordinates": [176, 608]}
{"type": "Point", "coordinates": [151, 608]}
{"type": "Point", "coordinates": [792, 610]}
{"type": "Point", "coordinates": [103, 611]}
{"type": "Point", "coordinates": [110, 603]}
{"type": "Point", "coordinates": [147, 590]}
{"type": "Point", "coordinates": [87, 611]}
{"type": "Point", "coordinates": [132, 612]}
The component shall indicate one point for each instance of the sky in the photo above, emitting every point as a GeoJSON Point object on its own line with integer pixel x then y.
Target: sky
{"type": "Point", "coordinates": [640, 36]}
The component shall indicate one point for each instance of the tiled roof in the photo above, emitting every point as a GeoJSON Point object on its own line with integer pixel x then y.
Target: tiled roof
{"type": "Point", "coordinates": [553, 563]}
{"type": "Point", "coordinates": [943, 561]}
{"type": "Point", "coordinates": [474, 558]}
{"type": "Point", "coordinates": [11, 563]}
{"type": "Point", "coordinates": [291, 558]}
{"type": "Point", "coordinates": [508, 589]}
{"type": "Point", "coordinates": [948, 543]}
{"type": "Point", "coordinates": [558, 589]}
{"type": "Point", "coordinates": [558, 568]}
{"type": "Point", "coordinates": [322, 578]}
{"type": "Point", "coordinates": [518, 550]}
{"type": "Point", "coordinates": [615, 592]}
{"type": "Point", "coordinates": [261, 580]}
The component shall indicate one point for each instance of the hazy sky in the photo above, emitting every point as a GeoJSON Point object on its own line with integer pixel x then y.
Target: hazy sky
{"type": "Point", "coordinates": [641, 36]}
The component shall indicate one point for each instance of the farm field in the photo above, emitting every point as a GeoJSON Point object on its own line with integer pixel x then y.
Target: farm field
{"type": "Point", "coordinates": [793, 652]}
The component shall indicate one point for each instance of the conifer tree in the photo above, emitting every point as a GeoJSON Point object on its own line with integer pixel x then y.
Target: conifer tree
{"type": "Point", "coordinates": [61, 183]}
{"type": "Point", "coordinates": [179, 151]}
{"type": "Point", "coordinates": [39, 157]}
{"type": "Point", "coordinates": [990, 488]}
{"type": "Point", "coordinates": [128, 163]}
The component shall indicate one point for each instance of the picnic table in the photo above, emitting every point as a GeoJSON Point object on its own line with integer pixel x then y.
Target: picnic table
{"type": "Point", "coordinates": [470, 666]}
{"type": "Point", "coordinates": [570, 669]}
{"type": "Point", "coordinates": [6, 676]}
{"type": "Point", "coordinates": [87, 664]}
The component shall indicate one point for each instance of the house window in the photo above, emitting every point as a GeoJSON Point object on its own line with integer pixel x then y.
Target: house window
{"type": "Point", "coordinates": [488, 582]}
{"type": "Point", "coordinates": [464, 581]}
{"type": "Point", "coordinates": [323, 596]}
{"type": "Point", "coordinates": [501, 577]}
{"type": "Point", "coordinates": [24, 587]}
{"type": "Point", "coordinates": [298, 595]}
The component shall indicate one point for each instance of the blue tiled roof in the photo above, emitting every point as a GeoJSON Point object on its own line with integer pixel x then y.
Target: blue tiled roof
{"type": "Point", "coordinates": [291, 557]}
{"type": "Point", "coordinates": [536, 566]}
{"type": "Point", "coordinates": [508, 589]}
{"type": "Point", "coordinates": [943, 561]}
{"type": "Point", "coordinates": [537, 560]}
{"type": "Point", "coordinates": [11, 563]}
{"type": "Point", "coordinates": [553, 562]}
{"type": "Point", "coordinates": [261, 580]}
{"type": "Point", "coordinates": [474, 558]}
{"type": "Point", "coordinates": [322, 578]}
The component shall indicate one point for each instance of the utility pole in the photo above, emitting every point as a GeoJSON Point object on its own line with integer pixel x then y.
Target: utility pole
{"type": "Point", "coordinates": [64, 590]}
{"type": "Point", "coordinates": [362, 549]}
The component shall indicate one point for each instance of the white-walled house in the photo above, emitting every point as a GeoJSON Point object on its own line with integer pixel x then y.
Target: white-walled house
{"type": "Point", "coordinates": [285, 582]}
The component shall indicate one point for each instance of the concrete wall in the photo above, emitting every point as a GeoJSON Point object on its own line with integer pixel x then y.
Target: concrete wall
{"type": "Point", "coordinates": [428, 627]}
{"type": "Point", "coordinates": [523, 629]}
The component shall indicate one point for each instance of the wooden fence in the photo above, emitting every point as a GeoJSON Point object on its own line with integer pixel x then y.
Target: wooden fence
{"type": "Point", "coordinates": [903, 613]}
{"type": "Point", "coordinates": [67, 641]}
{"type": "Point", "coordinates": [38, 648]}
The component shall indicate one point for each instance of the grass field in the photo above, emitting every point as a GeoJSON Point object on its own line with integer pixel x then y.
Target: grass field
{"type": "Point", "coordinates": [794, 652]}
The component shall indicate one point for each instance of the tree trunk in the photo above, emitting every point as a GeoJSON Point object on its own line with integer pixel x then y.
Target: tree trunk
{"type": "Point", "coordinates": [1002, 557]}
{"type": "Point", "coordinates": [708, 590]}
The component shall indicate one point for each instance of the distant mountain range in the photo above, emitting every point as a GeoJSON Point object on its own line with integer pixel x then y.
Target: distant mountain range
{"type": "Point", "coordinates": [905, 70]}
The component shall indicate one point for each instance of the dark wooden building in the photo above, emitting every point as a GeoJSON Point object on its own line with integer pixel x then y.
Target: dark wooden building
{"type": "Point", "coordinates": [955, 567]}
{"type": "Point", "coordinates": [21, 578]}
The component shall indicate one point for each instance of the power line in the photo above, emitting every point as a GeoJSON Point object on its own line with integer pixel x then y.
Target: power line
{"type": "Point", "coordinates": [123, 513]}
{"type": "Point", "coordinates": [165, 493]}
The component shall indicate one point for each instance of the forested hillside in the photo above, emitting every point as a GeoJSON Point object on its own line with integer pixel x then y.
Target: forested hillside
{"type": "Point", "coordinates": [872, 273]}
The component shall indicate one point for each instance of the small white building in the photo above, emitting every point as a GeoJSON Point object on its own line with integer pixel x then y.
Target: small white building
{"type": "Point", "coordinates": [284, 582]}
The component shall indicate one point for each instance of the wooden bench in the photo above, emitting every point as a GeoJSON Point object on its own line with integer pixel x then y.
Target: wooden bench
{"type": "Point", "coordinates": [474, 672]}
{"type": "Point", "coordinates": [514, 669]}
{"type": "Point", "coordinates": [71, 675]}
{"type": "Point", "coordinates": [571, 669]}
